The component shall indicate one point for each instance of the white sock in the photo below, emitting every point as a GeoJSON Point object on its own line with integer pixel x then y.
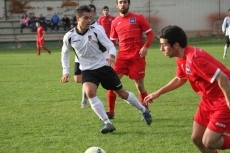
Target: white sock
{"type": "Point", "coordinates": [84, 97]}
{"type": "Point", "coordinates": [98, 108]}
{"type": "Point", "coordinates": [225, 50]}
{"type": "Point", "coordinates": [132, 100]}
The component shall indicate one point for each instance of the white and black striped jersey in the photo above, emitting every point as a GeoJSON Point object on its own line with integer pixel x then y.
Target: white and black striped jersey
{"type": "Point", "coordinates": [89, 48]}
{"type": "Point", "coordinates": [226, 26]}
{"type": "Point", "coordinates": [95, 23]}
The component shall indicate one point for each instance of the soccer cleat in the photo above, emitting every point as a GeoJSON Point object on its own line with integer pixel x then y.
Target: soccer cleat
{"type": "Point", "coordinates": [106, 128]}
{"type": "Point", "coordinates": [224, 56]}
{"type": "Point", "coordinates": [147, 116]}
{"type": "Point", "coordinates": [110, 116]}
{"type": "Point", "coordinates": [49, 52]}
{"type": "Point", "coordinates": [84, 104]}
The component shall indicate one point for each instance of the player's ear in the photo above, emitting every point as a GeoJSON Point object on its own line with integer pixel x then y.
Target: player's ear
{"type": "Point", "coordinates": [176, 45]}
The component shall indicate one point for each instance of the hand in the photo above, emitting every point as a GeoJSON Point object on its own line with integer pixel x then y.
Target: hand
{"type": "Point", "coordinates": [143, 52]}
{"type": "Point", "coordinates": [65, 78]}
{"type": "Point", "coordinates": [111, 60]}
{"type": "Point", "coordinates": [150, 97]}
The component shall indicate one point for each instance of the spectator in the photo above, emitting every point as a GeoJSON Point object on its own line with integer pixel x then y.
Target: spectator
{"type": "Point", "coordinates": [74, 22]}
{"type": "Point", "coordinates": [66, 22]}
{"type": "Point", "coordinates": [42, 21]}
{"type": "Point", "coordinates": [24, 22]}
{"type": "Point", "coordinates": [105, 20]}
{"type": "Point", "coordinates": [55, 22]}
{"type": "Point", "coordinates": [32, 23]}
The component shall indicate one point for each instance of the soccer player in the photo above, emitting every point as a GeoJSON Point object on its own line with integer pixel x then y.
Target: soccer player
{"type": "Point", "coordinates": [128, 28]}
{"type": "Point", "coordinates": [105, 20]}
{"type": "Point", "coordinates": [209, 78]}
{"type": "Point", "coordinates": [226, 31]}
{"type": "Point", "coordinates": [77, 71]}
{"type": "Point", "coordinates": [85, 39]}
{"type": "Point", "coordinates": [40, 39]}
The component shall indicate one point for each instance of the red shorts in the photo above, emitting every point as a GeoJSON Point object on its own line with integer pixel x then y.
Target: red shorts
{"type": "Point", "coordinates": [215, 116]}
{"type": "Point", "coordinates": [134, 68]}
{"type": "Point", "coordinates": [40, 42]}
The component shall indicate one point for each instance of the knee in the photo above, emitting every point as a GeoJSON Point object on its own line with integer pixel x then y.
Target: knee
{"type": "Point", "coordinates": [197, 140]}
{"type": "Point", "coordinates": [122, 94]}
{"type": "Point", "coordinates": [209, 144]}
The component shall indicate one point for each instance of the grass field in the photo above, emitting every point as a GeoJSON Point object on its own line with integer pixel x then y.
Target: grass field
{"type": "Point", "coordinates": [39, 115]}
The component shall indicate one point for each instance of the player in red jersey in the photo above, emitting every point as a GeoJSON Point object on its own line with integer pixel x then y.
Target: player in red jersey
{"type": "Point", "coordinates": [128, 28]}
{"type": "Point", "coordinates": [105, 20]}
{"type": "Point", "coordinates": [210, 79]}
{"type": "Point", "coordinates": [40, 39]}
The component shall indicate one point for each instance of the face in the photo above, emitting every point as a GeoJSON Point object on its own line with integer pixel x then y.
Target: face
{"type": "Point", "coordinates": [85, 20]}
{"type": "Point", "coordinates": [93, 12]}
{"type": "Point", "coordinates": [229, 13]}
{"type": "Point", "coordinates": [167, 49]}
{"type": "Point", "coordinates": [105, 12]}
{"type": "Point", "coordinates": [123, 6]}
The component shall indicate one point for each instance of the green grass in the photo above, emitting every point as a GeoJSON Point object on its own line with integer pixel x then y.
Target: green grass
{"type": "Point", "coordinates": [39, 115]}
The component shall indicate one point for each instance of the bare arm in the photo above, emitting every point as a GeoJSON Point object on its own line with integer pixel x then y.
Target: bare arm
{"type": "Point", "coordinates": [224, 85]}
{"type": "Point", "coordinates": [172, 85]}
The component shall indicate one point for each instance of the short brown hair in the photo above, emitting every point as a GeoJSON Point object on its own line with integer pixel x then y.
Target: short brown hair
{"type": "Point", "coordinates": [82, 8]}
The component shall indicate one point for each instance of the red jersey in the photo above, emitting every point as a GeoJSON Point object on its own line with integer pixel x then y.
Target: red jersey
{"type": "Point", "coordinates": [201, 69]}
{"type": "Point", "coordinates": [105, 22]}
{"type": "Point", "coordinates": [129, 31]}
{"type": "Point", "coordinates": [40, 31]}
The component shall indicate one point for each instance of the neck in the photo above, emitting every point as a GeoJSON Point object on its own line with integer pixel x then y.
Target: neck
{"type": "Point", "coordinates": [181, 52]}
{"type": "Point", "coordinates": [123, 15]}
{"type": "Point", "coordinates": [81, 30]}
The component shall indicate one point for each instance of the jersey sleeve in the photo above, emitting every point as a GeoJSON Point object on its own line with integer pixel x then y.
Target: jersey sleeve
{"type": "Point", "coordinates": [113, 33]}
{"type": "Point", "coordinates": [205, 69]}
{"type": "Point", "coordinates": [104, 40]}
{"type": "Point", "coordinates": [65, 54]}
{"type": "Point", "coordinates": [179, 70]}
{"type": "Point", "coordinates": [145, 27]}
{"type": "Point", "coordinates": [224, 24]}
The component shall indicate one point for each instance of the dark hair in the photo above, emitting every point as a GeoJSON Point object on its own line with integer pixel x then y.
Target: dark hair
{"type": "Point", "coordinates": [106, 7]}
{"type": "Point", "coordinates": [92, 6]}
{"type": "Point", "coordinates": [82, 8]}
{"type": "Point", "coordinates": [174, 34]}
{"type": "Point", "coordinates": [228, 10]}
{"type": "Point", "coordinates": [128, 1]}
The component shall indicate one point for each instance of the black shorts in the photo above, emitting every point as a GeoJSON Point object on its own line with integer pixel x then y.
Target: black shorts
{"type": "Point", "coordinates": [104, 75]}
{"type": "Point", "coordinates": [77, 70]}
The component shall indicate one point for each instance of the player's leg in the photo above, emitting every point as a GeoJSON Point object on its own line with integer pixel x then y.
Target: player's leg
{"type": "Point", "coordinates": [121, 70]}
{"type": "Point", "coordinates": [38, 47]}
{"type": "Point", "coordinates": [137, 73]}
{"type": "Point", "coordinates": [219, 124]}
{"type": "Point", "coordinates": [111, 81]}
{"type": "Point", "coordinates": [90, 85]}
{"type": "Point", "coordinates": [226, 46]}
{"type": "Point", "coordinates": [111, 100]}
{"type": "Point", "coordinates": [78, 79]}
{"type": "Point", "coordinates": [197, 138]}
{"type": "Point", "coordinates": [44, 47]}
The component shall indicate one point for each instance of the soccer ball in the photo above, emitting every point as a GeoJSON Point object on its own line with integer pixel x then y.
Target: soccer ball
{"type": "Point", "coordinates": [95, 150]}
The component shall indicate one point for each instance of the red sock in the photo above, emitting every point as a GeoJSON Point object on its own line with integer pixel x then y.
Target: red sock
{"type": "Point", "coordinates": [142, 96]}
{"type": "Point", "coordinates": [111, 97]}
{"type": "Point", "coordinates": [226, 144]}
{"type": "Point", "coordinates": [38, 50]}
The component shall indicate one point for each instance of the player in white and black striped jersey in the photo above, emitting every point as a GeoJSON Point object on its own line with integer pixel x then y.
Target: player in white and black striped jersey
{"type": "Point", "coordinates": [87, 42]}
{"type": "Point", "coordinates": [226, 31]}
